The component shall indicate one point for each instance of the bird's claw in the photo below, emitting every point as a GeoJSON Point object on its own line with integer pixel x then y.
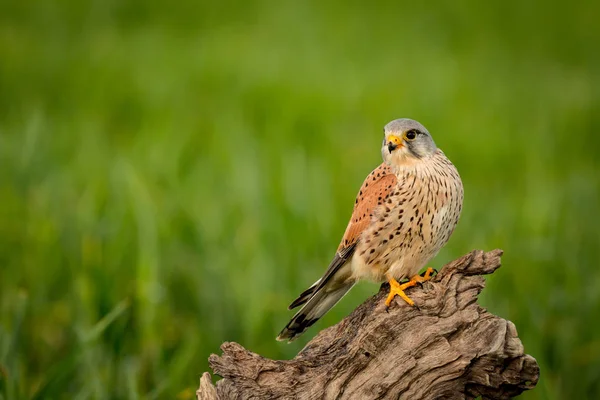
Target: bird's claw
{"type": "Point", "coordinates": [427, 275]}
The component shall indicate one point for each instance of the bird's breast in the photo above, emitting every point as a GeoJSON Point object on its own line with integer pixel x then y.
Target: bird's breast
{"type": "Point", "coordinates": [410, 227]}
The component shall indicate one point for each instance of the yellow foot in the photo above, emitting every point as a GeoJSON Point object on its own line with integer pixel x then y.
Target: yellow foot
{"type": "Point", "coordinates": [425, 277]}
{"type": "Point", "coordinates": [398, 289]}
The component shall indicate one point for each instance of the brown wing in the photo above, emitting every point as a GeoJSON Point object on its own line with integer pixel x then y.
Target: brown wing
{"type": "Point", "coordinates": [373, 192]}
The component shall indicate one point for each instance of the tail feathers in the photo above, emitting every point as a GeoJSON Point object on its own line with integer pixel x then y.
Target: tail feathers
{"type": "Point", "coordinates": [304, 296]}
{"type": "Point", "coordinates": [321, 302]}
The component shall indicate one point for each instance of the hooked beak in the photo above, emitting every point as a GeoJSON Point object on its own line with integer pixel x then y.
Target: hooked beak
{"type": "Point", "coordinates": [393, 143]}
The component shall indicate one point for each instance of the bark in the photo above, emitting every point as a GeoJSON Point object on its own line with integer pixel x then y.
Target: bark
{"type": "Point", "coordinates": [447, 347]}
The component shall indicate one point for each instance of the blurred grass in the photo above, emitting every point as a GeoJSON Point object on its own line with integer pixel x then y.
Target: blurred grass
{"type": "Point", "coordinates": [172, 175]}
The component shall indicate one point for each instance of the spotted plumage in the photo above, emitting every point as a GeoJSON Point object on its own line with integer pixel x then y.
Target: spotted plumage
{"type": "Point", "coordinates": [403, 215]}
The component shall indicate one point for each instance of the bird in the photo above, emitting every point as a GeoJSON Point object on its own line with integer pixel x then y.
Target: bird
{"type": "Point", "coordinates": [404, 213]}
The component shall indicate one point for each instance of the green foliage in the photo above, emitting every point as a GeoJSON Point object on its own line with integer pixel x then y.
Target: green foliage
{"type": "Point", "coordinates": [172, 175]}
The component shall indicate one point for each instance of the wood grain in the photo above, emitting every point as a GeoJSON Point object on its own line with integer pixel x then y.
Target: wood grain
{"type": "Point", "coordinates": [449, 347]}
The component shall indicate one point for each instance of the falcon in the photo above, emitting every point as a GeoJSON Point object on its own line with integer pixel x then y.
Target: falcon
{"type": "Point", "coordinates": [404, 213]}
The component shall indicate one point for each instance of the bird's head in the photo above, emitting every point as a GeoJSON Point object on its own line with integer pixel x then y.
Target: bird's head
{"type": "Point", "coordinates": [406, 140]}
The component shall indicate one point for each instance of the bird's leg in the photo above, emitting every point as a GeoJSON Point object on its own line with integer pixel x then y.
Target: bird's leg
{"type": "Point", "coordinates": [423, 277]}
{"type": "Point", "coordinates": [398, 289]}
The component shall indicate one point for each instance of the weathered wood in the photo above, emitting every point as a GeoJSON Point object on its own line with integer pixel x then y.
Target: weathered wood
{"type": "Point", "coordinates": [449, 347]}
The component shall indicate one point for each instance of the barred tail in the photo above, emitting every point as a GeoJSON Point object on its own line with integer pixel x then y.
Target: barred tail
{"type": "Point", "coordinates": [320, 302]}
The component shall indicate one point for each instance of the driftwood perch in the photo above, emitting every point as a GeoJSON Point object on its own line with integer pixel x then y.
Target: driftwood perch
{"type": "Point", "coordinates": [449, 347]}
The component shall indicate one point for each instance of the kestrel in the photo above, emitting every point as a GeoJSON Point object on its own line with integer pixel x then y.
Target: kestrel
{"type": "Point", "coordinates": [404, 213]}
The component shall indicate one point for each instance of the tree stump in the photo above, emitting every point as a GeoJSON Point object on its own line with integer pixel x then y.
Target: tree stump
{"type": "Point", "coordinates": [447, 347]}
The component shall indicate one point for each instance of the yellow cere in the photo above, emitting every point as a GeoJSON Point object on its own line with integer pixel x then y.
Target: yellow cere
{"type": "Point", "coordinates": [395, 139]}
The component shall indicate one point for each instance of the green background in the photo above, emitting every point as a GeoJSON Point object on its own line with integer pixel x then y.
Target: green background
{"type": "Point", "coordinates": [173, 174]}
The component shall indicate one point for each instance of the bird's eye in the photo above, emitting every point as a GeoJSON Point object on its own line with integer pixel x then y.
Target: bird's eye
{"type": "Point", "coordinates": [410, 135]}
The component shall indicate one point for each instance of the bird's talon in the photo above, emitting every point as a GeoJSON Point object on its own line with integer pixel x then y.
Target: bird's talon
{"type": "Point", "coordinates": [397, 289]}
{"type": "Point", "coordinates": [425, 276]}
